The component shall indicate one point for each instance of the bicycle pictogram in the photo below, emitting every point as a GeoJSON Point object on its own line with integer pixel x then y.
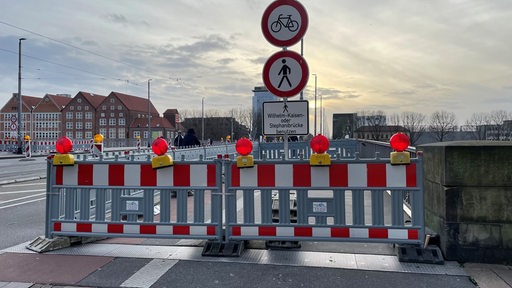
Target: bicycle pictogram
{"type": "Point", "coordinates": [286, 22]}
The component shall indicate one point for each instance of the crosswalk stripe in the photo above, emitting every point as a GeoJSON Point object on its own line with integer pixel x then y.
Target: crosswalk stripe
{"type": "Point", "coordinates": [149, 274]}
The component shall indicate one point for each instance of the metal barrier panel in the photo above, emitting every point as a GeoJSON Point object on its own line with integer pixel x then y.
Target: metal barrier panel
{"type": "Point", "coordinates": [131, 199]}
{"type": "Point", "coordinates": [345, 148]}
{"type": "Point", "coordinates": [358, 200]}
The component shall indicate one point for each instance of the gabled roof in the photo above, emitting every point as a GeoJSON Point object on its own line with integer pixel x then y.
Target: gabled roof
{"type": "Point", "coordinates": [28, 102]}
{"type": "Point", "coordinates": [134, 103]}
{"type": "Point", "coordinates": [156, 122]}
{"type": "Point", "coordinates": [59, 101]}
{"type": "Point", "coordinates": [171, 111]}
{"type": "Point", "coordinates": [93, 99]}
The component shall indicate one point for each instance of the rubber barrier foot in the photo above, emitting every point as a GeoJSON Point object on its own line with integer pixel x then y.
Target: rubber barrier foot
{"type": "Point", "coordinates": [42, 244]}
{"type": "Point", "coordinates": [223, 249]}
{"type": "Point", "coordinates": [273, 244]}
{"type": "Point", "coordinates": [417, 254]}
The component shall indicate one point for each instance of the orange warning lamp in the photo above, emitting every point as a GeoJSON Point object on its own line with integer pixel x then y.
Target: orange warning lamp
{"type": "Point", "coordinates": [244, 147]}
{"type": "Point", "coordinates": [399, 142]}
{"type": "Point", "coordinates": [160, 148]}
{"type": "Point", "coordinates": [319, 144]}
{"type": "Point", "coordinates": [98, 138]}
{"type": "Point", "coordinates": [63, 147]}
{"type": "Point", "coordinates": [27, 138]}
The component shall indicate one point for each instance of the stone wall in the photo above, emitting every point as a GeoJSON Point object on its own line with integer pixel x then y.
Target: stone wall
{"type": "Point", "coordinates": [468, 199]}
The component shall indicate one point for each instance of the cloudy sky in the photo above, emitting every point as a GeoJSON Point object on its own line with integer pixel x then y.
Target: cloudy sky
{"type": "Point", "coordinates": [389, 55]}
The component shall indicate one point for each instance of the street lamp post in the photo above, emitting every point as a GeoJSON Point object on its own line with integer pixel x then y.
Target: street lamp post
{"type": "Point", "coordinates": [149, 112]}
{"type": "Point", "coordinates": [20, 106]}
{"type": "Point", "coordinates": [202, 120]}
{"type": "Point", "coordinates": [315, 106]}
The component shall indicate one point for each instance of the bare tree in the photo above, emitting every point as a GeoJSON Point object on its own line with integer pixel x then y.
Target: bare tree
{"type": "Point", "coordinates": [375, 121]}
{"type": "Point", "coordinates": [478, 123]}
{"type": "Point", "coordinates": [414, 123]}
{"type": "Point", "coordinates": [498, 119]}
{"type": "Point", "coordinates": [394, 119]}
{"type": "Point", "coordinates": [442, 123]}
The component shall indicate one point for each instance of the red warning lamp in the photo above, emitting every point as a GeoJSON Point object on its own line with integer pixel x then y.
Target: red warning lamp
{"type": "Point", "coordinates": [244, 147]}
{"type": "Point", "coordinates": [160, 147]}
{"type": "Point", "coordinates": [63, 147]}
{"type": "Point", "coordinates": [319, 144]}
{"type": "Point", "coordinates": [399, 142]}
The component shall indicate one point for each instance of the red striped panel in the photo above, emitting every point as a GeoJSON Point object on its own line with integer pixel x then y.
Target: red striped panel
{"type": "Point", "coordinates": [410, 175]}
{"type": "Point", "coordinates": [211, 172]}
{"type": "Point", "coordinates": [301, 175]}
{"type": "Point", "coordinates": [116, 175]}
{"type": "Point", "coordinates": [181, 174]}
{"type": "Point", "coordinates": [303, 231]}
{"type": "Point", "coordinates": [181, 230]}
{"type": "Point", "coordinates": [236, 231]}
{"type": "Point", "coordinates": [210, 230]}
{"type": "Point", "coordinates": [267, 231]}
{"type": "Point", "coordinates": [59, 175]}
{"type": "Point", "coordinates": [376, 174]}
{"type": "Point", "coordinates": [85, 176]}
{"type": "Point", "coordinates": [57, 226]}
{"type": "Point", "coordinates": [378, 233]}
{"type": "Point", "coordinates": [413, 235]}
{"type": "Point", "coordinates": [84, 227]}
{"type": "Point", "coordinates": [147, 175]}
{"type": "Point", "coordinates": [235, 176]}
{"type": "Point", "coordinates": [147, 229]}
{"type": "Point", "coordinates": [338, 175]}
{"type": "Point", "coordinates": [115, 228]}
{"type": "Point", "coordinates": [267, 175]}
{"type": "Point", "coordinates": [340, 232]}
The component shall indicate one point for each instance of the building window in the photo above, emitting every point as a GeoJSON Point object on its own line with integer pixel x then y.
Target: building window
{"type": "Point", "coordinates": [103, 122]}
{"type": "Point", "coordinates": [79, 125]}
{"type": "Point", "coordinates": [88, 125]}
{"type": "Point", "coordinates": [121, 114]}
{"type": "Point", "coordinates": [119, 107]}
{"type": "Point", "coordinates": [69, 125]}
{"type": "Point", "coordinates": [112, 133]}
{"type": "Point", "coordinates": [78, 115]}
{"type": "Point", "coordinates": [104, 107]}
{"type": "Point", "coordinates": [88, 135]}
{"type": "Point", "coordinates": [103, 131]}
{"type": "Point", "coordinates": [122, 122]}
{"type": "Point", "coordinates": [121, 134]}
{"type": "Point", "coordinates": [88, 115]}
{"type": "Point", "coordinates": [136, 134]}
{"type": "Point", "coordinates": [69, 115]}
{"type": "Point", "coordinates": [70, 107]}
{"type": "Point", "coordinates": [78, 107]}
{"type": "Point", "coordinates": [112, 115]}
{"type": "Point", "coordinates": [79, 135]}
{"type": "Point", "coordinates": [86, 108]}
{"type": "Point", "coordinates": [112, 107]}
{"type": "Point", "coordinates": [111, 100]}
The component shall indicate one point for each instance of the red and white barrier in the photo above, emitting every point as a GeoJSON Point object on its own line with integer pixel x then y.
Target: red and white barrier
{"type": "Point", "coordinates": [336, 175]}
{"type": "Point", "coordinates": [180, 175]}
{"type": "Point", "coordinates": [138, 229]}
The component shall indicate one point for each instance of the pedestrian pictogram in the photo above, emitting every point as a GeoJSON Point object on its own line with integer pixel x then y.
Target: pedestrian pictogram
{"type": "Point", "coordinates": [285, 73]}
{"type": "Point", "coordinates": [284, 22]}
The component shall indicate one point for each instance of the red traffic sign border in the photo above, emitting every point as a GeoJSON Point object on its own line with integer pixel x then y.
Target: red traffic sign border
{"type": "Point", "coordinates": [303, 81]}
{"type": "Point", "coordinates": [303, 26]}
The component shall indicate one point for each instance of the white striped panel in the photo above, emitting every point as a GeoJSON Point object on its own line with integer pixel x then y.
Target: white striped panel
{"type": "Point", "coordinates": [149, 274]}
{"type": "Point", "coordinates": [99, 228]}
{"type": "Point", "coordinates": [249, 231]}
{"type": "Point", "coordinates": [321, 232]}
{"type": "Point", "coordinates": [395, 175]}
{"type": "Point", "coordinates": [163, 230]}
{"type": "Point", "coordinates": [165, 176]}
{"type": "Point", "coordinates": [284, 175]}
{"type": "Point", "coordinates": [398, 234]}
{"type": "Point", "coordinates": [285, 231]}
{"type": "Point", "coordinates": [248, 177]}
{"type": "Point", "coordinates": [100, 174]}
{"type": "Point", "coordinates": [198, 230]}
{"type": "Point", "coordinates": [70, 175]}
{"type": "Point", "coordinates": [68, 227]}
{"type": "Point", "coordinates": [357, 175]}
{"type": "Point", "coordinates": [132, 174]}
{"type": "Point", "coordinates": [198, 175]}
{"type": "Point", "coordinates": [359, 233]}
{"type": "Point", "coordinates": [320, 176]}
{"type": "Point", "coordinates": [131, 229]}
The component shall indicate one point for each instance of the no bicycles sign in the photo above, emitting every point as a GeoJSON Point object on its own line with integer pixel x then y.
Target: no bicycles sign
{"type": "Point", "coordinates": [284, 22]}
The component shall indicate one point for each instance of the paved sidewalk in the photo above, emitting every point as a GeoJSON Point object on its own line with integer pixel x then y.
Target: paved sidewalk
{"type": "Point", "coordinates": [157, 263]}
